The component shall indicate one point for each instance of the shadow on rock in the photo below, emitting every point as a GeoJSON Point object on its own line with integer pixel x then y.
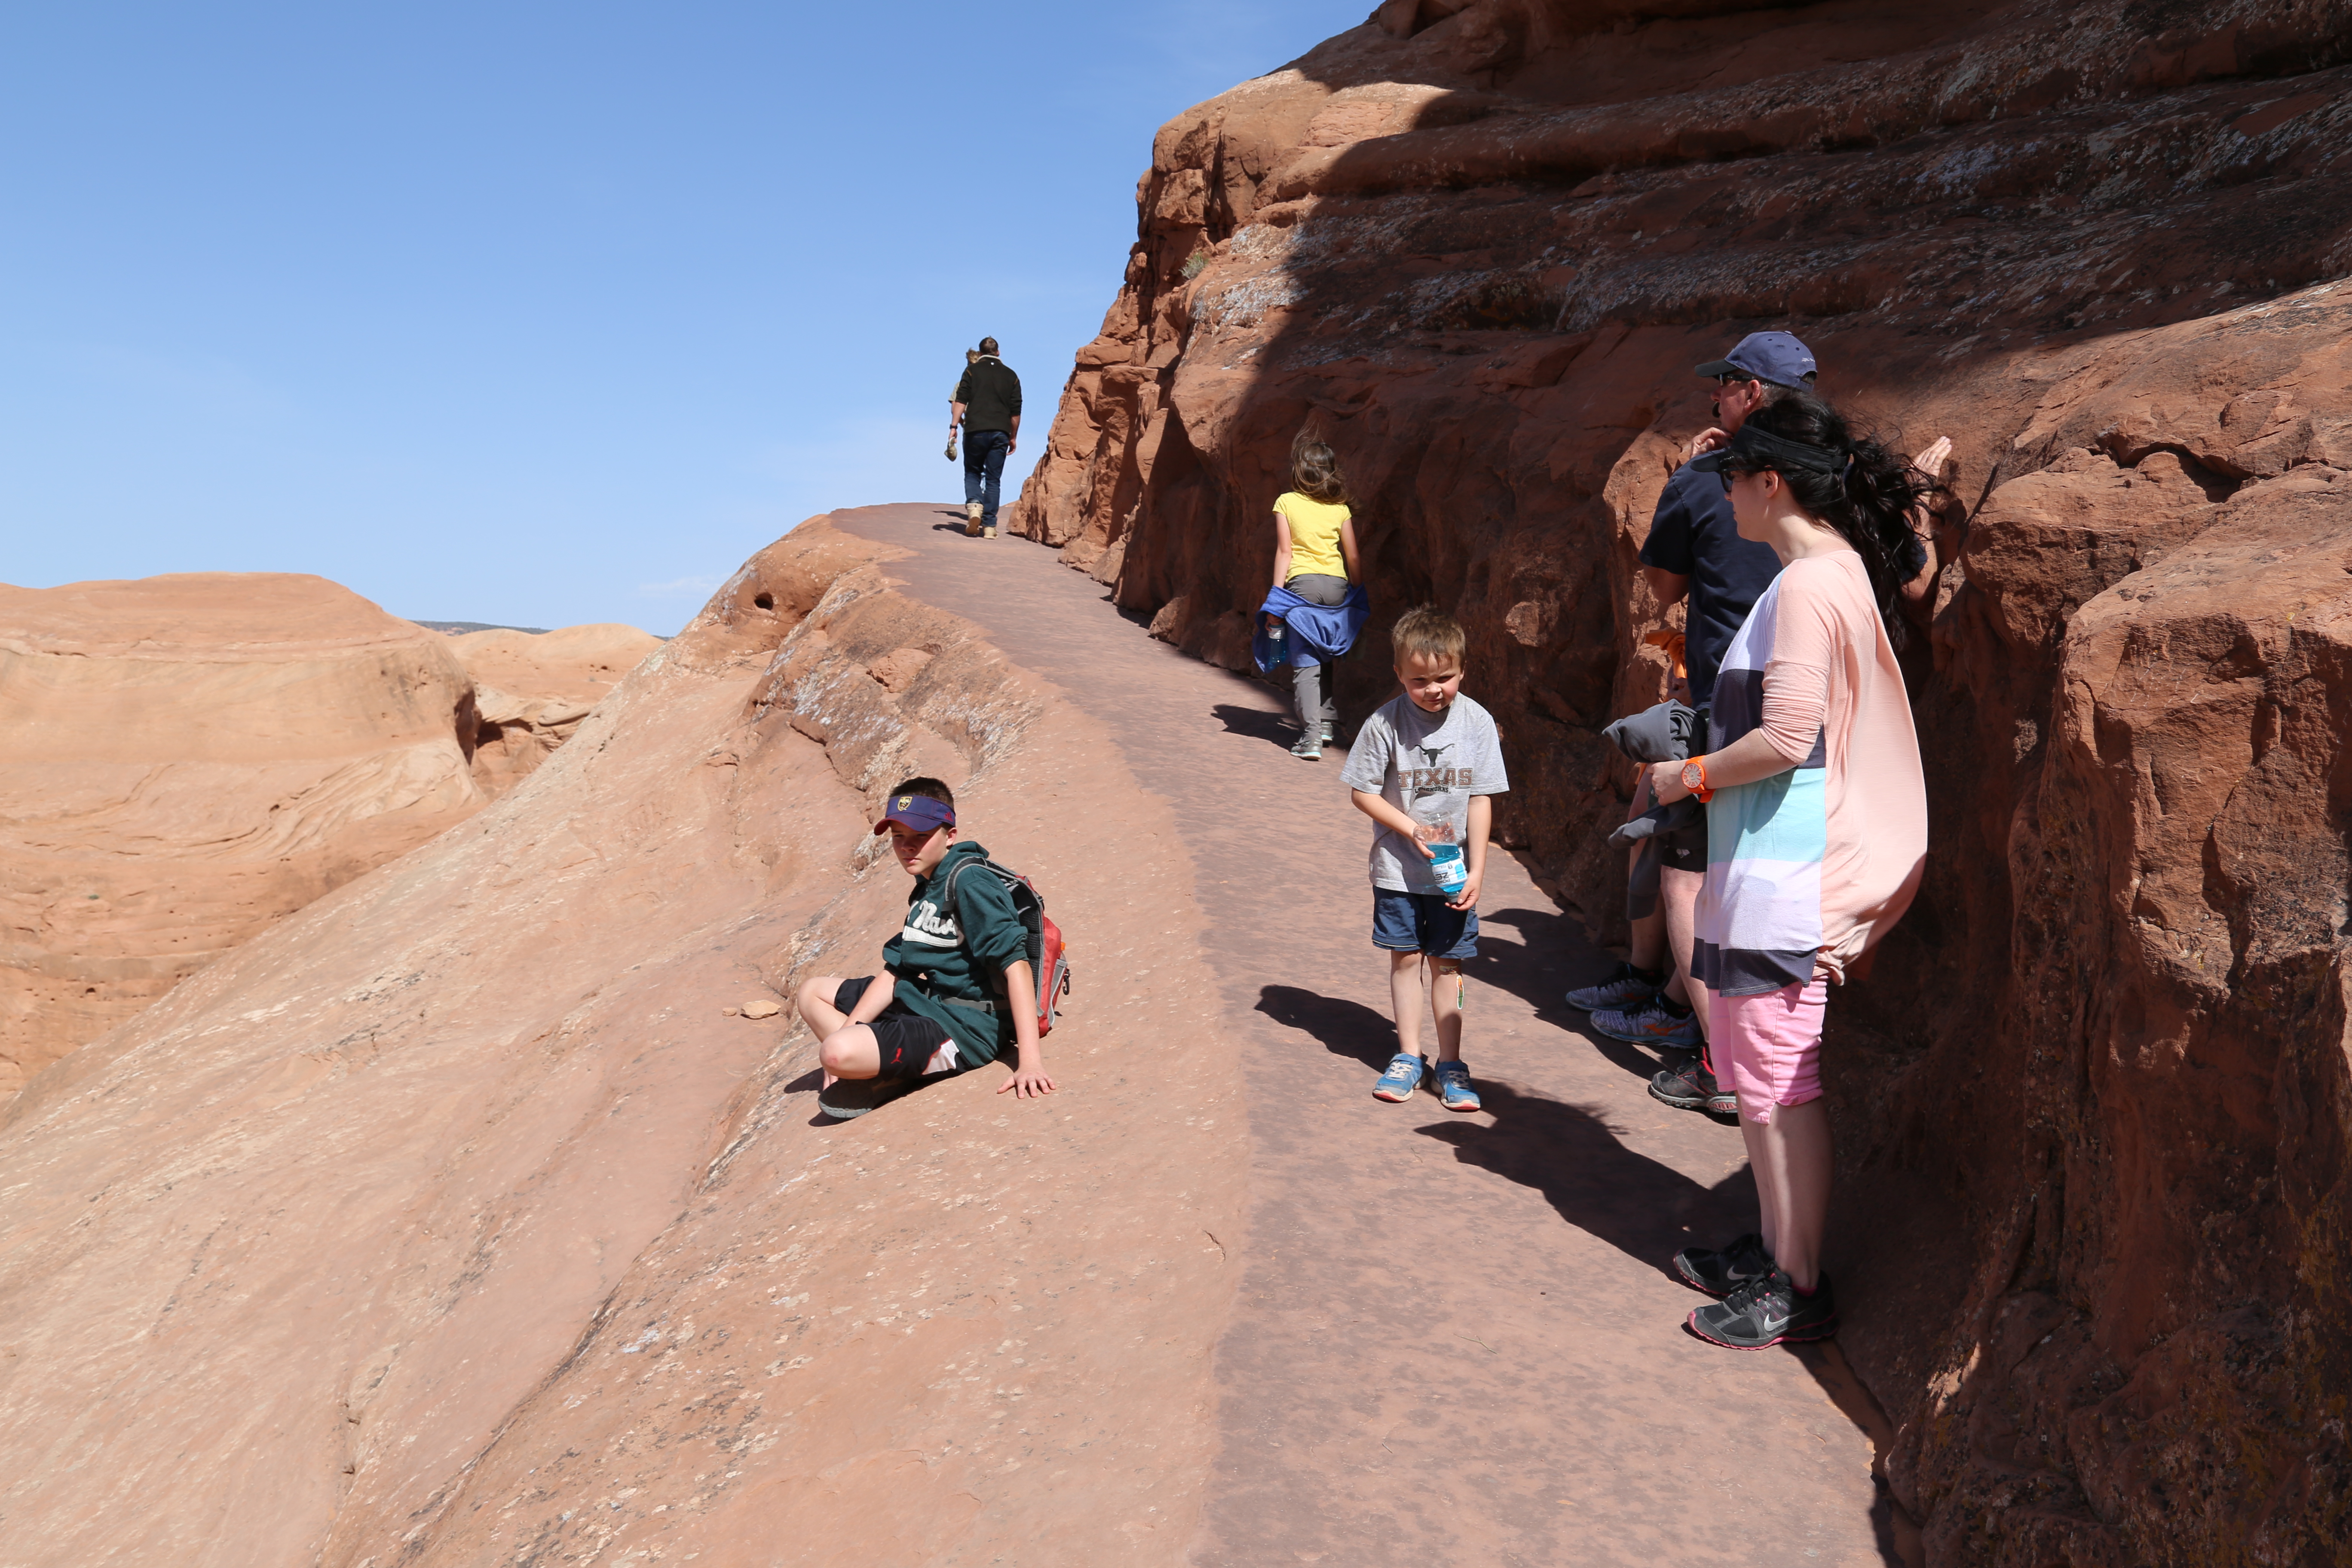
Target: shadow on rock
{"type": "Point", "coordinates": [1346, 1029]}
{"type": "Point", "coordinates": [1571, 1154]}
{"type": "Point", "coordinates": [1256, 722]}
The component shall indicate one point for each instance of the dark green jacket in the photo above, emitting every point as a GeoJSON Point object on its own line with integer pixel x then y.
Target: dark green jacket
{"type": "Point", "coordinates": [960, 953]}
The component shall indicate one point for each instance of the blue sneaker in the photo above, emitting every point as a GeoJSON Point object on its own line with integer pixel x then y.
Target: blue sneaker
{"type": "Point", "coordinates": [1454, 1087]}
{"type": "Point", "coordinates": [1402, 1078]}
{"type": "Point", "coordinates": [1628, 987]}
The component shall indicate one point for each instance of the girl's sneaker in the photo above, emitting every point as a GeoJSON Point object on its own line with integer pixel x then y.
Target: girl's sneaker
{"type": "Point", "coordinates": [1629, 987]}
{"type": "Point", "coordinates": [1402, 1078]}
{"type": "Point", "coordinates": [1309, 745]}
{"type": "Point", "coordinates": [1767, 1311]}
{"type": "Point", "coordinates": [1651, 1023]}
{"type": "Point", "coordinates": [1454, 1087]}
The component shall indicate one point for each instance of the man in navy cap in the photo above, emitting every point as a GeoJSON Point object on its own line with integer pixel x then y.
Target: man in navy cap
{"type": "Point", "coordinates": [1694, 551]}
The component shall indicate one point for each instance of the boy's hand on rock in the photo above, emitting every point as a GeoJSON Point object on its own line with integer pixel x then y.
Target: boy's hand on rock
{"type": "Point", "coordinates": [1028, 1083]}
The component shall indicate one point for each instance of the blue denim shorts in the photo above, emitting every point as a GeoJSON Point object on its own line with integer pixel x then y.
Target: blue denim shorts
{"type": "Point", "coordinates": [1420, 923]}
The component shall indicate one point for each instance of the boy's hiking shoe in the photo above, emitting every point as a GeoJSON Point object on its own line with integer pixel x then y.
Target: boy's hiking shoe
{"type": "Point", "coordinates": [1720, 1273]}
{"type": "Point", "coordinates": [1454, 1087]}
{"type": "Point", "coordinates": [1651, 1022]}
{"type": "Point", "coordinates": [1402, 1078]}
{"type": "Point", "coordinates": [1308, 746]}
{"type": "Point", "coordinates": [1628, 987]}
{"type": "Point", "coordinates": [1690, 1086]}
{"type": "Point", "coordinates": [849, 1097]}
{"type": "Point", "coordinates": [1767, 1311]}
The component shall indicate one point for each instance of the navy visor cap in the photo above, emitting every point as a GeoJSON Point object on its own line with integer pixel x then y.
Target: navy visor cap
{"type": "Point", "coordinates": [916, 814]}
{"type": "Point", "coordinates": [1777, 358]}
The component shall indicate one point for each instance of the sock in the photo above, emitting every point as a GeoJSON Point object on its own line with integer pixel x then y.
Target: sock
{"type": "Point", "coordinates": [1800, 1291]}
{"type": "Point", "coordinates": [1678, 1009]}
{"type": "Point", "coordinates": [1646, 976]}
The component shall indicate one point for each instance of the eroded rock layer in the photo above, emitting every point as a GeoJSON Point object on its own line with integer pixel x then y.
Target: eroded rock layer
{"type": "Point", "coordinates": [185, 759]}
{"type": "Point", "coordinates": [469, 1216]}
{"type": "Point", "coordinates": [2094, 1096]}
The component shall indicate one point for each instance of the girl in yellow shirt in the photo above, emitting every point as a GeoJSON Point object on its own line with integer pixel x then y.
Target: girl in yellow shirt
{"type": "Point", "coordinates": [1315, 558]}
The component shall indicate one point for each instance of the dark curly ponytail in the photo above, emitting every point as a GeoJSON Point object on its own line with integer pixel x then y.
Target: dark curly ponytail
{"type": "Point", "coordinates": [1869, 496]}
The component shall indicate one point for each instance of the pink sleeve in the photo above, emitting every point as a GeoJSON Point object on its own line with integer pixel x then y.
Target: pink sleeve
{"type": "Point", "coordinates": [1797, 675]}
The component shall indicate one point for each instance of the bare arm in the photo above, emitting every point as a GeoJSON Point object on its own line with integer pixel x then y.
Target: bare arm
{"type": "Point", "coordinates": [1667, 587]}
{"type": "Point", "coordinates": [1029, 1079]}
{"type": "Point", "coordinates": [1751, 757]}
{"type": "Point", "coordinates": [955, 414]}
{"type": "Point", "coordinates": [1378, 808]}
{"type": "Point", "coordinates": [1281, 550]}
{"type": "Point", "coordinates": [1348, 549]}
{"type": "Point", "coordinates": [878, 992]}
{"type": "Point", "coordinates": [1923, 521]}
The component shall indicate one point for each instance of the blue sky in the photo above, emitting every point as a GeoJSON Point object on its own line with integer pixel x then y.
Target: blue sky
{"type": "Point", "coordinates": [541, 314]}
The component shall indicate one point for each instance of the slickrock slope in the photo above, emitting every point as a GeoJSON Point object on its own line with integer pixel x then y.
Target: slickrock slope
{"type": "Point", "coordinates": [531, 689]}
{"type": "Point", "coordinates": [2095, 1097]}
{"type": "Point", "coordinates": [454, 1220]}
{"type": "Point", "coordinates": [185, 759]}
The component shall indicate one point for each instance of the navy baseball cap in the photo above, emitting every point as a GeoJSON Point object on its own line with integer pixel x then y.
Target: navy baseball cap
{"type": "Point", "coordinates": [1777, 358]}
{"type": "Point", "coordinates": [916, 814]}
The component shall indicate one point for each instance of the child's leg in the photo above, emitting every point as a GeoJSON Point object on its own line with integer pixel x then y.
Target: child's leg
{"type": "Point", "coordinates": [1405, 998]}
{"type": "Point", "coordinates": [817, 1010]}
{"type": "Point", "coordinates": [1446, 985]}
{"type": "Point", "coordinates": [845, 1049]}
{"type": "Point", "coordinates": [1307, 691]}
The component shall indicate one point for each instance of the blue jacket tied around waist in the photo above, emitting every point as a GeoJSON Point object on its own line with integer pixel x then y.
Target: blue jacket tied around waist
{"type": "Point", "coordinates": [1322, 632]}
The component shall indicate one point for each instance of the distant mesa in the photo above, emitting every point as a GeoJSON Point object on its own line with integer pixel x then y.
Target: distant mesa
{"type": "Point", "coordinates": [455, 627]}
{"type": "Point", "coordinates": [185, 759]}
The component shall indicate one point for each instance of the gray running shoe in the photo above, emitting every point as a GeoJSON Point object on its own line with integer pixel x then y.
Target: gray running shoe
{"type": "Point", "coordinates": [1650, 1024]}
{"type": "Point", "coordinates": [1626, 988]}
{"type": "Point", "coordinates": [1308, 746]}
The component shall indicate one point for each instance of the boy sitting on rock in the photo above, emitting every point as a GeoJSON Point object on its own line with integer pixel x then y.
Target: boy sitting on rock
{"type": "Point", "coordinates": [956, 988]}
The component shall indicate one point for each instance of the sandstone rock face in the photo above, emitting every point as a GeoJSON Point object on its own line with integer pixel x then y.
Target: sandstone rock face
{"type": "Point", "coordinates": [183, 759]}
{"type": "Point", "coordinates": [531, 689]}
{"type": "Point", "coordinates": [2094, 1095]}
{"type": "Point", "coordinates": [452, 1220]}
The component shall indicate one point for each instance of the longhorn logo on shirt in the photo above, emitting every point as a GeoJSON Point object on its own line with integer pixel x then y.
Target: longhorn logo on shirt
{"type": "Point", "coordinates": [1420, 783]}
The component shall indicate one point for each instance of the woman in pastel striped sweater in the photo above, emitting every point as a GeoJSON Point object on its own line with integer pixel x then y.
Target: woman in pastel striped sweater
{"type": "Point", "coordinates": [1817, 825]}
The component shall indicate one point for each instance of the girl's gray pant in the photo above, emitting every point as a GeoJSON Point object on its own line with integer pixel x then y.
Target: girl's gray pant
{"type": "Point", "coordinates": [1312, 691]}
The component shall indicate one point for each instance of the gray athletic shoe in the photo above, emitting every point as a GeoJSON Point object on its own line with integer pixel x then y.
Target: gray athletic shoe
{"type": "Point", "coordinates": [1308, 747]}
{"type": "Point", "coordinates": [1628, 987]}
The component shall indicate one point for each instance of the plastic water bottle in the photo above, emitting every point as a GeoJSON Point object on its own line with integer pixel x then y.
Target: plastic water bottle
{"type": "Point", "coordinates": [1452, 873]}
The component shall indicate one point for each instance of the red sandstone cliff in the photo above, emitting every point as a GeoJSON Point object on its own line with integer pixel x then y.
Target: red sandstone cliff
{"type": "Point", "coordinates": [185, 759]}
{"type": "Point", "coordinates": [2095, 1097]}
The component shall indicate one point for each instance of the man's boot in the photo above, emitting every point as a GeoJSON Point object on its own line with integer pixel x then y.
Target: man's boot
{"type": "Point", "coordinates": [971, 519]}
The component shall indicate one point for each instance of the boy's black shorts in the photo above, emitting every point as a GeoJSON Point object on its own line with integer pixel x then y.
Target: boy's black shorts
{"type": "Point", "coordinates": [912, 1045]}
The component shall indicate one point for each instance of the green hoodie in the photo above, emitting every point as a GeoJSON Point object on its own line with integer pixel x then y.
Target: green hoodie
{"type": "Point", "coordinates": [960, 953]}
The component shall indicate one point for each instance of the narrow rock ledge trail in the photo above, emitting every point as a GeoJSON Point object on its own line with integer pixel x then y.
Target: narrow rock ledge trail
{"type": "Point", "coordinates": [1455, 1340]}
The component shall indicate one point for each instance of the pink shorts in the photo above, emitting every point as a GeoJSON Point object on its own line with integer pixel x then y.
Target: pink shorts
{"type": "Point", "coordinates": [1769, 1047]}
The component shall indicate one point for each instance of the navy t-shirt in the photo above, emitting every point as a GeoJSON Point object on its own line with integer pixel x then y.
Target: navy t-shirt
{"type": "Point", "coordinates": [1692, 535]}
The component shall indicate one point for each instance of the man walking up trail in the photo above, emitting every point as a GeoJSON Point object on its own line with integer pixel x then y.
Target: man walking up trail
{"type": "Point", "coordinates": [988, 402]}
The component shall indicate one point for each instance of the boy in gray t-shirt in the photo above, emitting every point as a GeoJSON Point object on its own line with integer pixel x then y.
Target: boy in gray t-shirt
{"type": "Point", "coordinates": [1422, 769]}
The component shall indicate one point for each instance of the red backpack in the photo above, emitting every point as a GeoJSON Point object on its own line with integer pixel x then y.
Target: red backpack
{"type": "Point", "coordinates": [1049, 961]}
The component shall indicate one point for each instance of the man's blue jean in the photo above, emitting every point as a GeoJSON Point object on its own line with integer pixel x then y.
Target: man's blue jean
{"type": "Point", "coordinates": [983, 471]}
